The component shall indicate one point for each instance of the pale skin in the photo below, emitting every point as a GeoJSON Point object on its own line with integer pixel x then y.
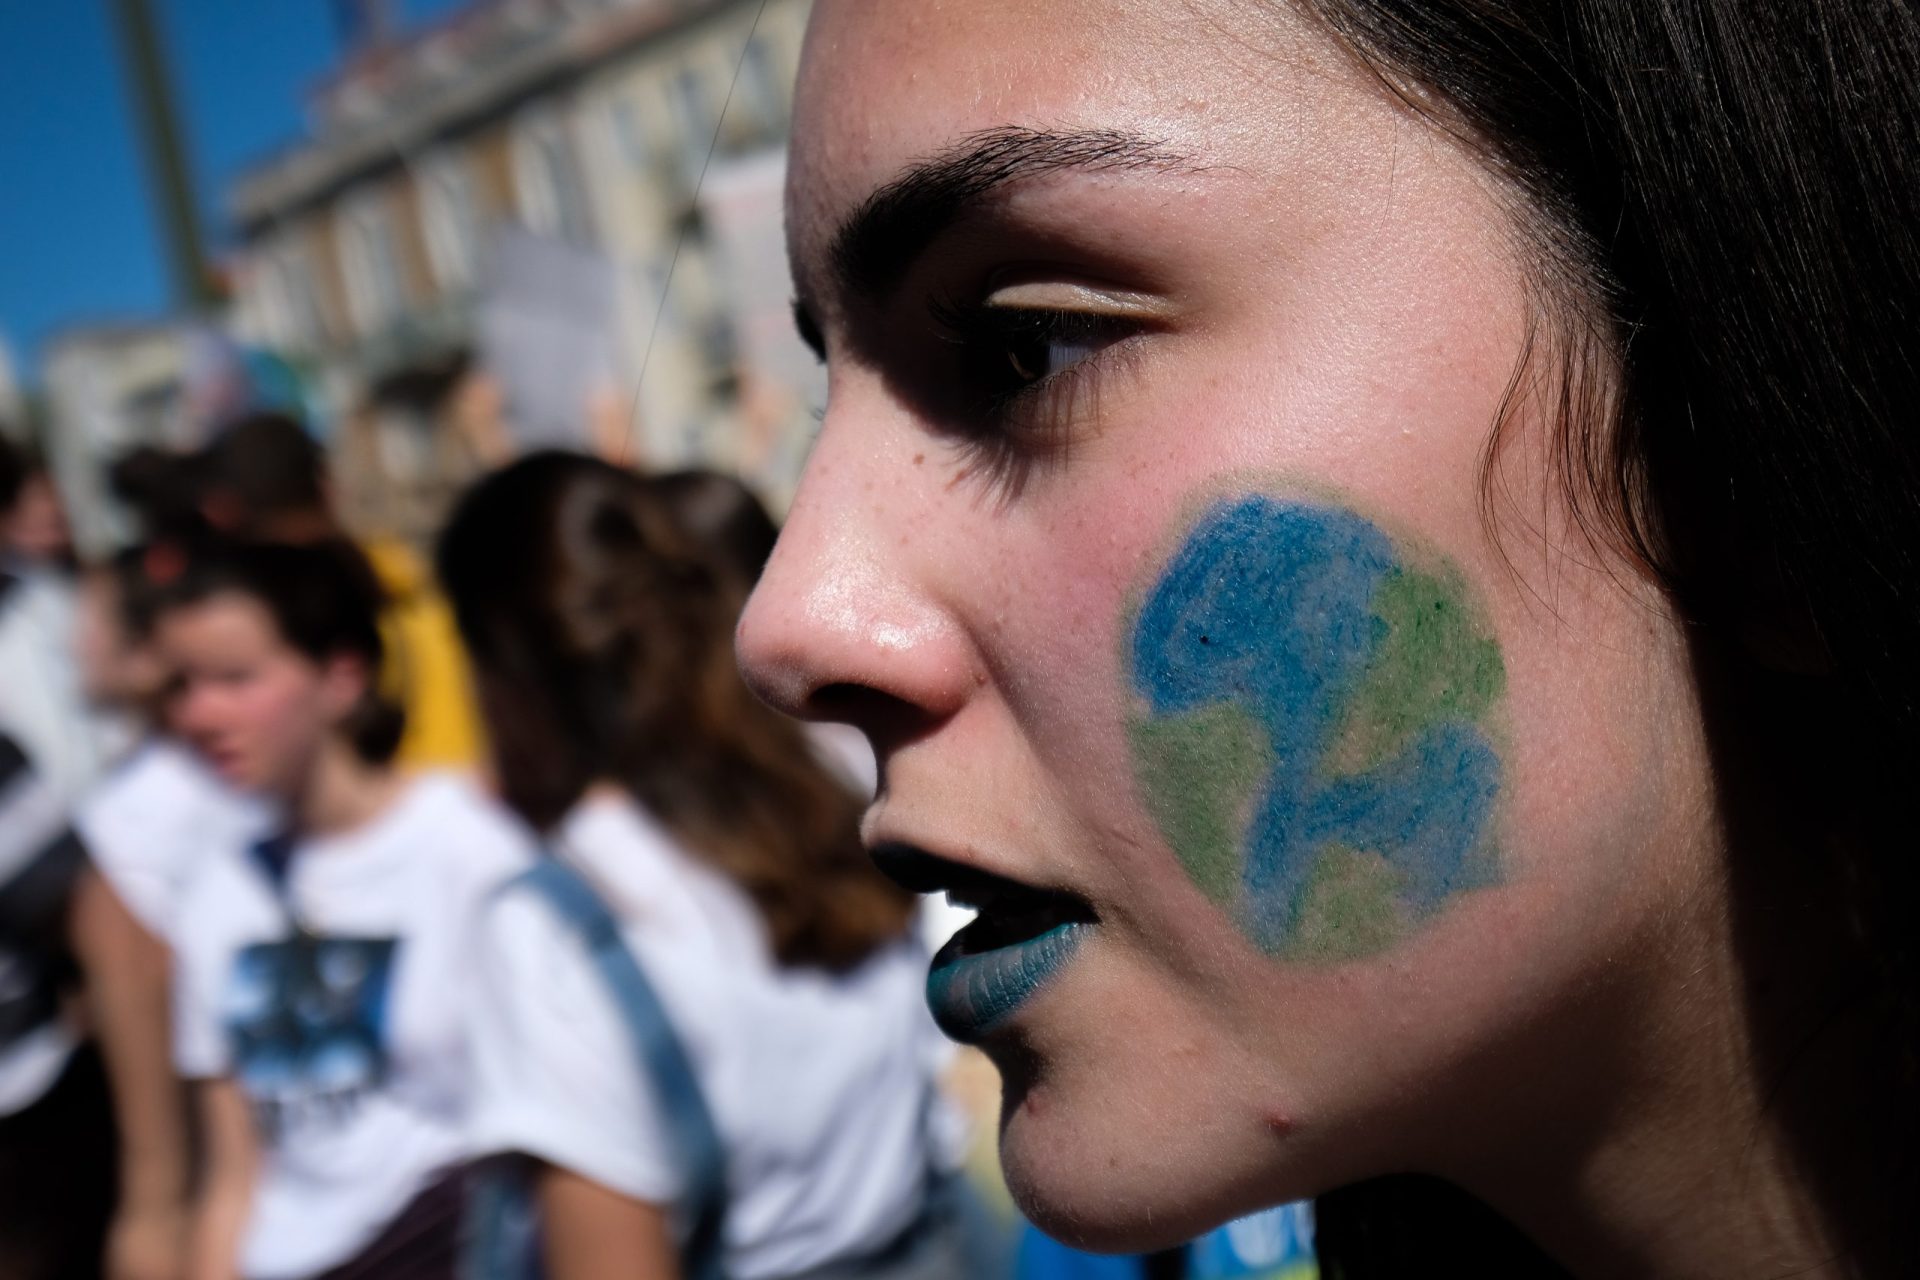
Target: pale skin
{"type": "Point", "coordinates": [127, 993]}
{"type": "Point", "coordinates": [592, 1232]}
{"type": "Point", "coordinates": [270, 720]}
{"type": "Point", "coordinates": [1299, 288]}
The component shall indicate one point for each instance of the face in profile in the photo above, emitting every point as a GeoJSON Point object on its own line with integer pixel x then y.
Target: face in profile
{"type": "Point", "coordinates": [1334, 809]}
{"type": "Point", "coordinates": [257, 709]}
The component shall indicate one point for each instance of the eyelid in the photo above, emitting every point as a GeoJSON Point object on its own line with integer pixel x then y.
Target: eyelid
{"type": "Point", "coordinates": [1070, 295]}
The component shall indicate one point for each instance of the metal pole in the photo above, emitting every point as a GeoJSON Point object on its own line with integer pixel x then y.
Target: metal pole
{"type": "Point", "coordinates": [166, 154]}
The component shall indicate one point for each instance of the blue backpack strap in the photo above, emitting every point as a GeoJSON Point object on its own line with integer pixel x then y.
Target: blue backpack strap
{"type": "Point", "coordinates": [661, 1057]}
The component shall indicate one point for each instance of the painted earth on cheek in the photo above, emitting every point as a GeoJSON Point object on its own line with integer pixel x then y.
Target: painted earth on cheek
{"type": "Point", "coordinates": [1312, 742]}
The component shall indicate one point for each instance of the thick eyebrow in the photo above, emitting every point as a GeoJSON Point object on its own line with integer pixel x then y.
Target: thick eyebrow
{"type": "Point", "coordinates": [895, 224]}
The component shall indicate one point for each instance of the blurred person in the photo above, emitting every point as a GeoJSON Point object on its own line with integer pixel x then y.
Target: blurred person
{"type": "Point", "coordinates": [729, 859]}
{"type": "Point", "coordinates": [58, 744]}
{"type": "Point", "coordinates": [160, 488]}
{"type": "Point", "coordinates": [730, 522]}
{"type": "Point", "coordinates": [263, 477]}
{"type": "Point", "coordinates": [725, 514]}
{"type": "Point", "coordinates": [41, 701]}
{"type": "Point", "coordinates": [324, 972]}
{"type": "Point", "coordinates": [146, 821]}
{"type": "Point", "coordinates": [148, 826]}
{"type": "Point", "coordinates": [728, 519]}
{"type": "Point", "coordinates": [56, 1126]}
{"type": "Point", "coordinates": [37, 532]}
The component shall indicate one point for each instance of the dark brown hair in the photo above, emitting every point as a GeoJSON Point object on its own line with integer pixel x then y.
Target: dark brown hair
{"type": "Point", "coordinates": [1725, 218]}
{"type": "Point", "coordinates": [324, 601]}
{"type": "Point", "coordinates": [601, 634]}
{"type": "Point", "coordinates": [266, 465]}
{"type": "Point", "coordinates": [724, 515]}
{"type": "Point", "coordinates": [16, 468]}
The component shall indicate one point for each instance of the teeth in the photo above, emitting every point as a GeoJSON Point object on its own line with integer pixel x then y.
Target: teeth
{"type": "Point", "coordinates": [972, 889]}
{"type": "Point", "coordinates": [992, 899]}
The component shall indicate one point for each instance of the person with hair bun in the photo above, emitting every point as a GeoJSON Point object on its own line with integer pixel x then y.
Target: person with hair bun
{"type": "Point", "coordinates": [728, 858]}
{"type": "Point", "coordinates": [324, 971]}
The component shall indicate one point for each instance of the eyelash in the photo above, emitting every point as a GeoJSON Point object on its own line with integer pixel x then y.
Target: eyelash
{"type": "Point", "coordinates": [1013, 423]}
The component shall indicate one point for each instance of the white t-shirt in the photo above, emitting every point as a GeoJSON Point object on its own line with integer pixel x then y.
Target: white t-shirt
{"type": "Point", "coordinates": [41, 701]}
{"type": "Point", "coordinates": [351, 1042]}
{"type": "Point", "coordinates": [152, 822]}
{"type": "Point", "coordinates": [818, 1084]}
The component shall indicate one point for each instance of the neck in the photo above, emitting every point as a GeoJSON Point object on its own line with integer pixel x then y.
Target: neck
{"type": "Point", "coordinates": [341, 792]}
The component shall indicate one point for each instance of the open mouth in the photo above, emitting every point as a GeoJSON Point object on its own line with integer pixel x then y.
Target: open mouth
{"type": "Point", "coordinates": [1020, 940]}
{"type": "Point", "coordinates": [1012, 915]}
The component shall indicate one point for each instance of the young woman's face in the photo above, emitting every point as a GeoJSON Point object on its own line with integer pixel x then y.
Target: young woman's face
{"type": "Point", "coordinates": [256, 708]}
{"type": "Point", "coordinates": [1325, 827]}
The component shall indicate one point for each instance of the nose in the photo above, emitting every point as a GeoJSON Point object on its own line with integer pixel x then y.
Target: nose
{"type": "Point", "coordinates": [849, 621]}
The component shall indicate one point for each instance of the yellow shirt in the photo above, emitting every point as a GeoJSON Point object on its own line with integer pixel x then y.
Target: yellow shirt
{"type": "Point", "coordinates": [426, 666]}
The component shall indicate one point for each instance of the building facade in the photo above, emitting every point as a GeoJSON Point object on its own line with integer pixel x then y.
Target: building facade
{"type": "Point", "coordinates": [498, 236]}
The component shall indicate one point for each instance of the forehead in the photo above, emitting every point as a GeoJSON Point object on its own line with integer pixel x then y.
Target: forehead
{"type": "Point", "coordinates": [225, 624]}
{"type": "Point", "coordinates": [887, 83]}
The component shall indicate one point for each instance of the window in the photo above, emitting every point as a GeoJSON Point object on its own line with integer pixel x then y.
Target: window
{"type": "Point", "coordinates": [630, 134]}
{"type": "Point", "coordinates": [370, 260]}
{"type": "Point", "coordinates": [698, 117]}
{"type": "Point", "coordinates": [304, 325]}
{"type": "Point", "coordinates": [289, 308]}
{"type": "Point", "coordinates": [552, 189]}
{"type": "Point", "coordinates": [765, 86]}
{"type": "Point", "coordinates": [451, 218]}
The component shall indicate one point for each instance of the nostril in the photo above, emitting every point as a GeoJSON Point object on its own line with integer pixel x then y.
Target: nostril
{"type": "Point", "coordinates": [840, 701]}
{"type": "Point", "coordinates": [888, 721]}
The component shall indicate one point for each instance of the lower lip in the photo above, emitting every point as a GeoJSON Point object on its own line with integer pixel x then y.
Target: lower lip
{"type": "Point", "coordinates": [972, 995]}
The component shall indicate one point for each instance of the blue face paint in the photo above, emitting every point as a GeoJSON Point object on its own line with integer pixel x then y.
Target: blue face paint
{"type": "Point", "coordinates": [970, 994]}
{"type": "Point", "coordinates": [1311, 736]}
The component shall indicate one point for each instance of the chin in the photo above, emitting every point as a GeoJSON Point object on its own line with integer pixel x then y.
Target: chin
{"type": "Point", "coordinates": [1117, 1169]}
{"type": "Point", "coordinates": [237, 775]}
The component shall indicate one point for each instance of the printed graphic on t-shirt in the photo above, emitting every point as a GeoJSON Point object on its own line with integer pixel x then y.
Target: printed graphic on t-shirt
{"type": "Point", "coordinates": [1275, 1244]}
{"type": "Point", "coordinates": [307, 1018]}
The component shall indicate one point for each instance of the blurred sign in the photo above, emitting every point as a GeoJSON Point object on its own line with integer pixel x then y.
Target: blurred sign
{"type": "Point", "coordinates": [781, 382]}
{"type": "Point", "coordinates": [546, 332]}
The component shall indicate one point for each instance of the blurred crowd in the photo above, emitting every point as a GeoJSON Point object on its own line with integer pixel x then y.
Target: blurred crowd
{"type": "Point", "coordinates": [375, 911]}
{"type": "Point", "coordinates": [256, 844]}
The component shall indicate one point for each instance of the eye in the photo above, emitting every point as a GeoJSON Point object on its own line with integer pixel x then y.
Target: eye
{"type": "Point", "coordinates": [1041, 355]}
{"type": "Point", "coordinates": [1005, 353]}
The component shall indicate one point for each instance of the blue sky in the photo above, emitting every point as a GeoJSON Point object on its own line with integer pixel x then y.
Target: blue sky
{"type": "Point", "coordinates": [78, 239]}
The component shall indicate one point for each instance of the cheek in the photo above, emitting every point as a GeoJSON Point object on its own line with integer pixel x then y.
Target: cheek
{"type": "Point", "coordinates": [282, 713]}
{"type": "Point", "coordinates": [1321, 779]}
{"type": "Point", "coordinates": [1313, 726]}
